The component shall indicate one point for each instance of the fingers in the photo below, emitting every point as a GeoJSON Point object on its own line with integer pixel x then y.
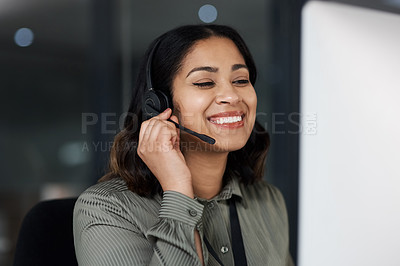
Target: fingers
{"type": "Point", "coordinates": [178, 132]}
{"type": "Point", "coordinates": [161, 133]}
{"type": "Point", "coordinates": [174, 118]}
{"type": "Point", "coordinates": [158, 134]}
{"type": "Point", "coordinates": [144, 127]}
{"type": "Point", "coordinates": [165, 115]}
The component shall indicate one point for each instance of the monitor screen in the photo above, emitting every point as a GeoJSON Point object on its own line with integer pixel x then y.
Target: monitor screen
{"type": "Point", "coordinates": [350, 141]}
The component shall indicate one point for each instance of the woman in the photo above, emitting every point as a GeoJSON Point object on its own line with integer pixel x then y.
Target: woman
{"type": "Point", "coordinates": [170, 198]}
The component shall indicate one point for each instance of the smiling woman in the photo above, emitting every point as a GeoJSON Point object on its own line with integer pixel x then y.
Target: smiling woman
{"type": "Point", "coordinates": [170, 198]}
{"type": "Point", "coordinates": [214, 95]}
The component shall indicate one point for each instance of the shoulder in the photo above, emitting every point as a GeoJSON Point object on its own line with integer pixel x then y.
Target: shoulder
{"type": "Point", "coordinates": [264, 194]}
{"type": "Point", "coordinates": [262, 189]}
{"type": "Point", "coordinates": [114, 189]}
{"type": "Point", "coordinates": [115, 186]}
{"type": "Point", "coordinates": [113, 196]}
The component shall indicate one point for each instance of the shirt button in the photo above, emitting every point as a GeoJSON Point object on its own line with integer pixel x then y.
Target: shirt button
{"type": "Point", "coordinates": [224, 249]}
{"type": "Point", "coordinates": [192, 212]}
{"type": "Point", "coordinates": [211, 205]}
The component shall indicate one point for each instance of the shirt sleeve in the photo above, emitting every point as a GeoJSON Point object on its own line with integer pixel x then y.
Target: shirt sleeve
{"type": "Point", "coordinates": [106, 234]}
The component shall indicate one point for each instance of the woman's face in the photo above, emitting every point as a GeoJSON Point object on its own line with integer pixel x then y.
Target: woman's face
{"type": "Point", "coordinates": [213, 95]}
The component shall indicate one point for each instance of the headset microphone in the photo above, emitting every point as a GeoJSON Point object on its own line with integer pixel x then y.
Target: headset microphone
{"type": "Point", "coordinates": [154, 101]}
{"type": "Point", "coordinates": [191, 132]}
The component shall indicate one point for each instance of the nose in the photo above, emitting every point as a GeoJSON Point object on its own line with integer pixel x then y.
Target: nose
{"type": "Point", "coordinates": [228, 94]}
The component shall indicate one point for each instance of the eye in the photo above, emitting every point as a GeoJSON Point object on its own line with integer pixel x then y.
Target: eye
{"type": "Point", "coordinates": [241, 82]}
{"type": "Point", "coordinates": [207, 84]}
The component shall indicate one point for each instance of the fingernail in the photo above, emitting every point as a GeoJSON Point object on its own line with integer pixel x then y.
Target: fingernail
{"type": "Point", "coordinates": [166, 110]}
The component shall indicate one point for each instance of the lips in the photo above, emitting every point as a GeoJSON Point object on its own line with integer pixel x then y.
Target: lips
{"type": "Point", "coordinates": [231, 119]}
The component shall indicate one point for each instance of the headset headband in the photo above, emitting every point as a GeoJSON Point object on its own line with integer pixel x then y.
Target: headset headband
{"type": "Point", "coordinates": [149, 65]}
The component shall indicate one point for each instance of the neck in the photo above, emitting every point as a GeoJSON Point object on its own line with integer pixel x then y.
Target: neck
{"type": "Point", "coordinates": [207, 169]}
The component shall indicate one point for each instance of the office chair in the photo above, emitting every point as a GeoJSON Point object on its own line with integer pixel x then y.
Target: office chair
{"type": "Point", "coordinates": [46, 236]}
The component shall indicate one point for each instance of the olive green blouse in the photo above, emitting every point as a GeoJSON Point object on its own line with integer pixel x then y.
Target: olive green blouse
{"type": "Point", "coordinates": [114, 226]}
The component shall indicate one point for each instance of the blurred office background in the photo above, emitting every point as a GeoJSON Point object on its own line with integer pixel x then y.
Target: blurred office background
{"type": "Point", "coordinates": [66, 72]}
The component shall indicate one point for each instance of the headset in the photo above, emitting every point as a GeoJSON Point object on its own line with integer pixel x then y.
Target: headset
{"type": "Point", "coordinates": [156, 101]}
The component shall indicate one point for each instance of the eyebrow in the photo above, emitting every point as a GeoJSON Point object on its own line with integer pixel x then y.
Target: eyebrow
{"type": "Point", "coordinates": [204, 68]}
{"type": "Point", "coordinates": [215, 69]}
{"type": "Point", "coordinates": [239, 66]}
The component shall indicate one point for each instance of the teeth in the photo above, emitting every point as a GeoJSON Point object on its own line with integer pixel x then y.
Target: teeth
{"type": "Point", "coordinates": [228, 120]}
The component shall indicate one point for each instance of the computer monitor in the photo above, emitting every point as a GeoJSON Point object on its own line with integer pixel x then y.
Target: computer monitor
{"type": "Point", "coordinates": [350, 142]}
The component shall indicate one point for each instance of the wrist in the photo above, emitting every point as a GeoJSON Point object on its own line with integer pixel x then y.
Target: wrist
{"type": "Point", "coordinates": [185, 188]}
{"type": "Point", "coordinates": [180, 207]}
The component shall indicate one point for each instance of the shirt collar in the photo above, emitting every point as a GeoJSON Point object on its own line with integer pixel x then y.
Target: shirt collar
{"type": "Point", "coordinates": [232, 188]}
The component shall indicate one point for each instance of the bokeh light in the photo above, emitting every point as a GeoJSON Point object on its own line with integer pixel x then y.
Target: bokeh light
{"type": "Point", "coordinates": [208, 13]}
{"type": "Point", "coordinates": [23, 37]}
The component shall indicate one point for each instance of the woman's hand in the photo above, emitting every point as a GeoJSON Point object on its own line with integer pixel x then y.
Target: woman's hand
{"type": "Point", "coordinates": [159, 150]}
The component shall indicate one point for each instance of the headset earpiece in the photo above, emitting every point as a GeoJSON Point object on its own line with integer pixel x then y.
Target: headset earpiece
{"type": "Point", "coordinates": [154, 103]}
